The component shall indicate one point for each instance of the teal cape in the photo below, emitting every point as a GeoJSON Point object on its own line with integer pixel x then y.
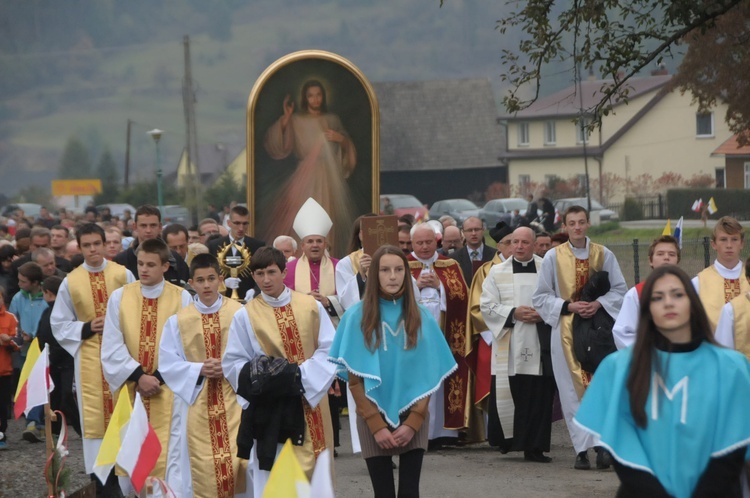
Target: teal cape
{"type": "Point", "coordinates": [698, 412]}
{"type": "Point", "coordinates": [394, 377]}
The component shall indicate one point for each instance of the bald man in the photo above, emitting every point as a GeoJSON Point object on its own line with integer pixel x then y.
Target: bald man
{"type": "Point", "coordinates": [452, 241]}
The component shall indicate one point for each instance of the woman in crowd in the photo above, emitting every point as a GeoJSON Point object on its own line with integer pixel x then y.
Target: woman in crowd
{"type": "Point", "coordinates": [672, 409]}
{"type": "Point", "coordinates": [394, 356]}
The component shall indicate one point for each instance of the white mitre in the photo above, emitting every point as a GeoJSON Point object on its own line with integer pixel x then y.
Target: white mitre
{"type": "Point", "coordinates": [312, 219]}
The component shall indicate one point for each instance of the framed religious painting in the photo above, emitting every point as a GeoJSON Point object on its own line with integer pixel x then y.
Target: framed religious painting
{"type": "Point", "coordinates": [312, 131]}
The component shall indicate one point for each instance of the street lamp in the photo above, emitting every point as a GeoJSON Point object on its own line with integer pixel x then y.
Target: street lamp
{"type": "Point", "coordinates": [156, 135]}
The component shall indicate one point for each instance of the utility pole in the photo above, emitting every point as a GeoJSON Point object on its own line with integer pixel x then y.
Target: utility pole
{"type": "Point", "coordinates": [126, 176]}
{"type": "Point", "coordinates": [193, 187]}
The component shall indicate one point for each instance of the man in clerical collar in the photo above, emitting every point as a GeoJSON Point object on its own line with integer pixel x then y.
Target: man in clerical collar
{"type": "Point", "coordinates": [77, 322]}
{"type": "Point", "coordinates": [663, 251]}
{"type": "Point", "coordinates": [723, 280]}
{"type": "Point", "coordinates": [520, 400]}
{"type": "Point", "coordinates": [239, 222]}
{"type": "Point", "coordinates": [133, 325]}
{"type": "Point", "coordinates": [190, 354]}
{"type": "Point", "coordinates": [314, 273]}
{"type": "Point", "coordinates": [565, 270]}
{"type": "Point", "coordinates": [289, 325]}
{"type": "Point", "coordinates": [443, 291]}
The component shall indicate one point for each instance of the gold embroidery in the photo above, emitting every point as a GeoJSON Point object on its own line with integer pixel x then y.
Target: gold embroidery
{"type": "Point", "coordinates": [455, 284]}
{"type": "Point", "coordinates": [457, 337]}
{"type": "Point", "coordinates": [100, 296]}
{"type": "Point", "coordinates": [731, 289]}
{"type": "Point", "coordinates": [455, 395]}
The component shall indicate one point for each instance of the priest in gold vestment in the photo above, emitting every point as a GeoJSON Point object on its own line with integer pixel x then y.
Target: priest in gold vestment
{"type": "Point", "coordinates": [136, 314]}
{"type": "Point", "coordinates": [192, 344]}
{"type": "Point", "coordinates": [291, 326]}
{"type": "Point", "coordinates": [78, 322]}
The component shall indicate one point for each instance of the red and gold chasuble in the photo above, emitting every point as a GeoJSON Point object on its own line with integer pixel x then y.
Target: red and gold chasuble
{"type": "Point", "coordinates": [716, 291]}
{"type": "Point", "coordinates": [291, 332]}
{"type": "Point", "coordinates": [214, 418]}
{"type": "Point", "coordinates": [572, 275]}
{"type": "Point", "coordinates": [89, 292]}
{"type": "Point", "coordinates": [458, 402]}
{"type": "Point", "coordinates": [142, 322]}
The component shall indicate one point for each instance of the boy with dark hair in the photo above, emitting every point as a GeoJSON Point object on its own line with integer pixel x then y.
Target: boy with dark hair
{"type": "Point", "coordinates": [133, 325]}
{"type": "Point", "coordinates": [8, 327]}
{"type": "Point", "coordinates": [191, 348]}
{"type": "Point", "coordinates": [77, 321]}
{"type": "Point", "coordinates": [292, 327]}
{"type": "Point", "coordinates": [61, 367]}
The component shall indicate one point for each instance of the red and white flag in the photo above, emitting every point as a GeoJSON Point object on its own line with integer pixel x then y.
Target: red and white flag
{"type": "Point", "coordinates": [34, 385]}
{"type": "Point", "coordinates": [697, 206]}
{"type": "Point", "coordinates": [140, 447]}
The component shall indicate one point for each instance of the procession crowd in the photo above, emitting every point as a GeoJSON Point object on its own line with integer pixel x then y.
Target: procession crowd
{"type": "Point", "coordinates": [235, 346]}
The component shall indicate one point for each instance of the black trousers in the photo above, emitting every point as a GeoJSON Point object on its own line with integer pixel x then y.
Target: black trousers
{"type": "Point", "coordinates": [6, 401]}
{"type": "Point", "coordinates": [409, 472]}
{"type": "Point", "coordinates": [62, 398]}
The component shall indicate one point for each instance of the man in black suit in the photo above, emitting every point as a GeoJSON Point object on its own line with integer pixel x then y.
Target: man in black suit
{"type": "Point", "coordinates": [239, 220]}
{"type": "Point", "coordinates": [148, 226]}
{"type": "Point", "coordinates": [474, 253]}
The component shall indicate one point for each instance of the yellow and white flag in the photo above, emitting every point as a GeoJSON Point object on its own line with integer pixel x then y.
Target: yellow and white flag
{"type": "Point", "coordinates": [118, 425]}
{"type": "Point", "coordinates": [712, 206]}
{"type": "Point", "coordinates": [287, 479]}
{"type": "Point", "coordinates": [667, 228]}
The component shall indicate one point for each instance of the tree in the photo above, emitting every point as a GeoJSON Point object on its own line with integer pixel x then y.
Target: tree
{"type": "Point", "coordinates": [717, 68]}
{"type": "Point", "coordinates": [618, 39]}
{"type": "Point", "coordinates": [75, 162]}
{"type": "Point", "coordinates": [225, 190]}
{"type": "Point", "coordinates": [106, 170]}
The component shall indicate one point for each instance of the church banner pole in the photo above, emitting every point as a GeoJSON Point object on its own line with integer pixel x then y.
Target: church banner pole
{"type": "Point", "coordinates": [49, 417]}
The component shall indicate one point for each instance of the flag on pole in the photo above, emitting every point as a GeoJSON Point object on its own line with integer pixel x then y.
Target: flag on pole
{"type": "Point", "coordinates": [321, 484]}
{"type": "Point", "coordinates": [34, 384]}
{"type": "Point", "coordinates": [697, 206]}
{"type": "Point", "coordinates": [667, 228]}
{"type": "Point", "coordinates": [678, 232]}
{"type": "Point", "coordinates": [113, 437]}
{"type": "Point", "coordinates": [140, 447]}
{"type": "Point", "coordinates": [287, 479]}
{"type": "Point", "coordinates": [712, 206]}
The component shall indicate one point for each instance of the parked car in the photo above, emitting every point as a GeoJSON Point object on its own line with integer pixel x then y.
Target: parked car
{"type": "Point", "coordinates": [502, 210]}
{"type": "Point", "coordinates": [405, 204]}
{"type": "Point", "coordinates": [604, 214]}
{"type": "Point", "coordinates": [30, 210]}
{"type": "Point", "coordinates": [117, 209]}
{"type": "Point", "coordinates": [459, 209]}
{"type": "Point", "coordinates": [174, 213]}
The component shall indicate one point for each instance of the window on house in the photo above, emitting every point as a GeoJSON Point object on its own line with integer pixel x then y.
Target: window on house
{"type": "Point", "coordinates": [524, 180]}
{"type": "Point", "coordinates": [582, 131]}
{"type": "Point", "coordinates": [704, 124]}
{"type": "Point", "coordinates": [550, 181]}
{"type": "Point", "coordinates": [582, 182]}
{"type": "Point", "coordinates": [550, 136]}
{"type": "Point", "coordinates": [721, 180]}
{"type": "Point", "coordinates": [523, 133]}
{"type": "Point", "coordinates": [747, 175]}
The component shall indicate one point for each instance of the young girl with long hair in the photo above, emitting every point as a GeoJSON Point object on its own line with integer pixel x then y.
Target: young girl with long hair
{"type": "Point", "coordinates": [673, 409]}
{"type": "Point", "coordinates": [394, 356]}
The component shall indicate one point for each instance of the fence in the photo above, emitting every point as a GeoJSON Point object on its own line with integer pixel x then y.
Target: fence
{"type": "Point", "coordinates": [653, 207]}
{"type": "Point", "coordinates": [633, 257]}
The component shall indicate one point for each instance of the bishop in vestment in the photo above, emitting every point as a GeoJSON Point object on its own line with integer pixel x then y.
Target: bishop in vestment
{"type": "Point", "coordinates": [288, 325]}
{"type": "Point", "coordinates": [77, 322]}
{"type": "Point", "coordinates": [136, 314]}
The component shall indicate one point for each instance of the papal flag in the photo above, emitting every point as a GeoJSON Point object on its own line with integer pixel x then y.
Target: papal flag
{"type": "Point", "coordinates": [118, 425]}
{"type": "Point", "coordinates": [712, 206]}
{"type": "Point", "coordinates": [667, 228]}
{"type": "Point", "coordinates": [287, 479]}
{"type": "Point", "coordinates": [34, 384]}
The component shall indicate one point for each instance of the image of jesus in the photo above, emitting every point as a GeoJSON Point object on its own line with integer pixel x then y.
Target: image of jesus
{"type": "Point", "coordinates": [326, 157]}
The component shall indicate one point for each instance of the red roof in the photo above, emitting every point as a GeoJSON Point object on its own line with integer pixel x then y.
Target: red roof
{"type": "Point", "coordinates": [732, 148]}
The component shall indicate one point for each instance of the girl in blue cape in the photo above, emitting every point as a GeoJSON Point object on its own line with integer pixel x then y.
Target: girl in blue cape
{"type": "Point", "coordinates": [673, 408]}
{"type": "Point", "coordinates": [394, 356]}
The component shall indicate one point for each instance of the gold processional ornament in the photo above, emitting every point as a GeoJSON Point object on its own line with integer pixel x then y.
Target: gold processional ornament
{"type": "Point", "coordinates": [234, 265]}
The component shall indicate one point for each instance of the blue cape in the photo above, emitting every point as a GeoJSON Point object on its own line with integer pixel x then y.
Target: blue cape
{"type": "Point", "coordinates": [697, 410]}
{"type": "Point", "coordinates": [394, 377]}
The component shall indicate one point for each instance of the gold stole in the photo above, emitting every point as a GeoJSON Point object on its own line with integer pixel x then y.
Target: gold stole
{"type": "Point", "coordinates": [216, 470]}
{"type": "Point", "coordinates": [303, 277]}
{"type": "Point", "coordinates": [716, 291]}
{"type": "Point", "coordinates": [89, 293]}
{"type": "Point", "coordinates": [741, 308]}
{"type": "Point", "coordinates": [354, 258]}
{"type": "Point", "coordinates": [572, 275]}
{"type": "Point", "coordinates": [142, 322]}
{"type": "Point", "coordinates": [291, 332]}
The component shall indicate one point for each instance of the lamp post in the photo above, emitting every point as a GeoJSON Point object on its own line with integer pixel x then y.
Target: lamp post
{"type": "Point", "coordinates": [156, 135]}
